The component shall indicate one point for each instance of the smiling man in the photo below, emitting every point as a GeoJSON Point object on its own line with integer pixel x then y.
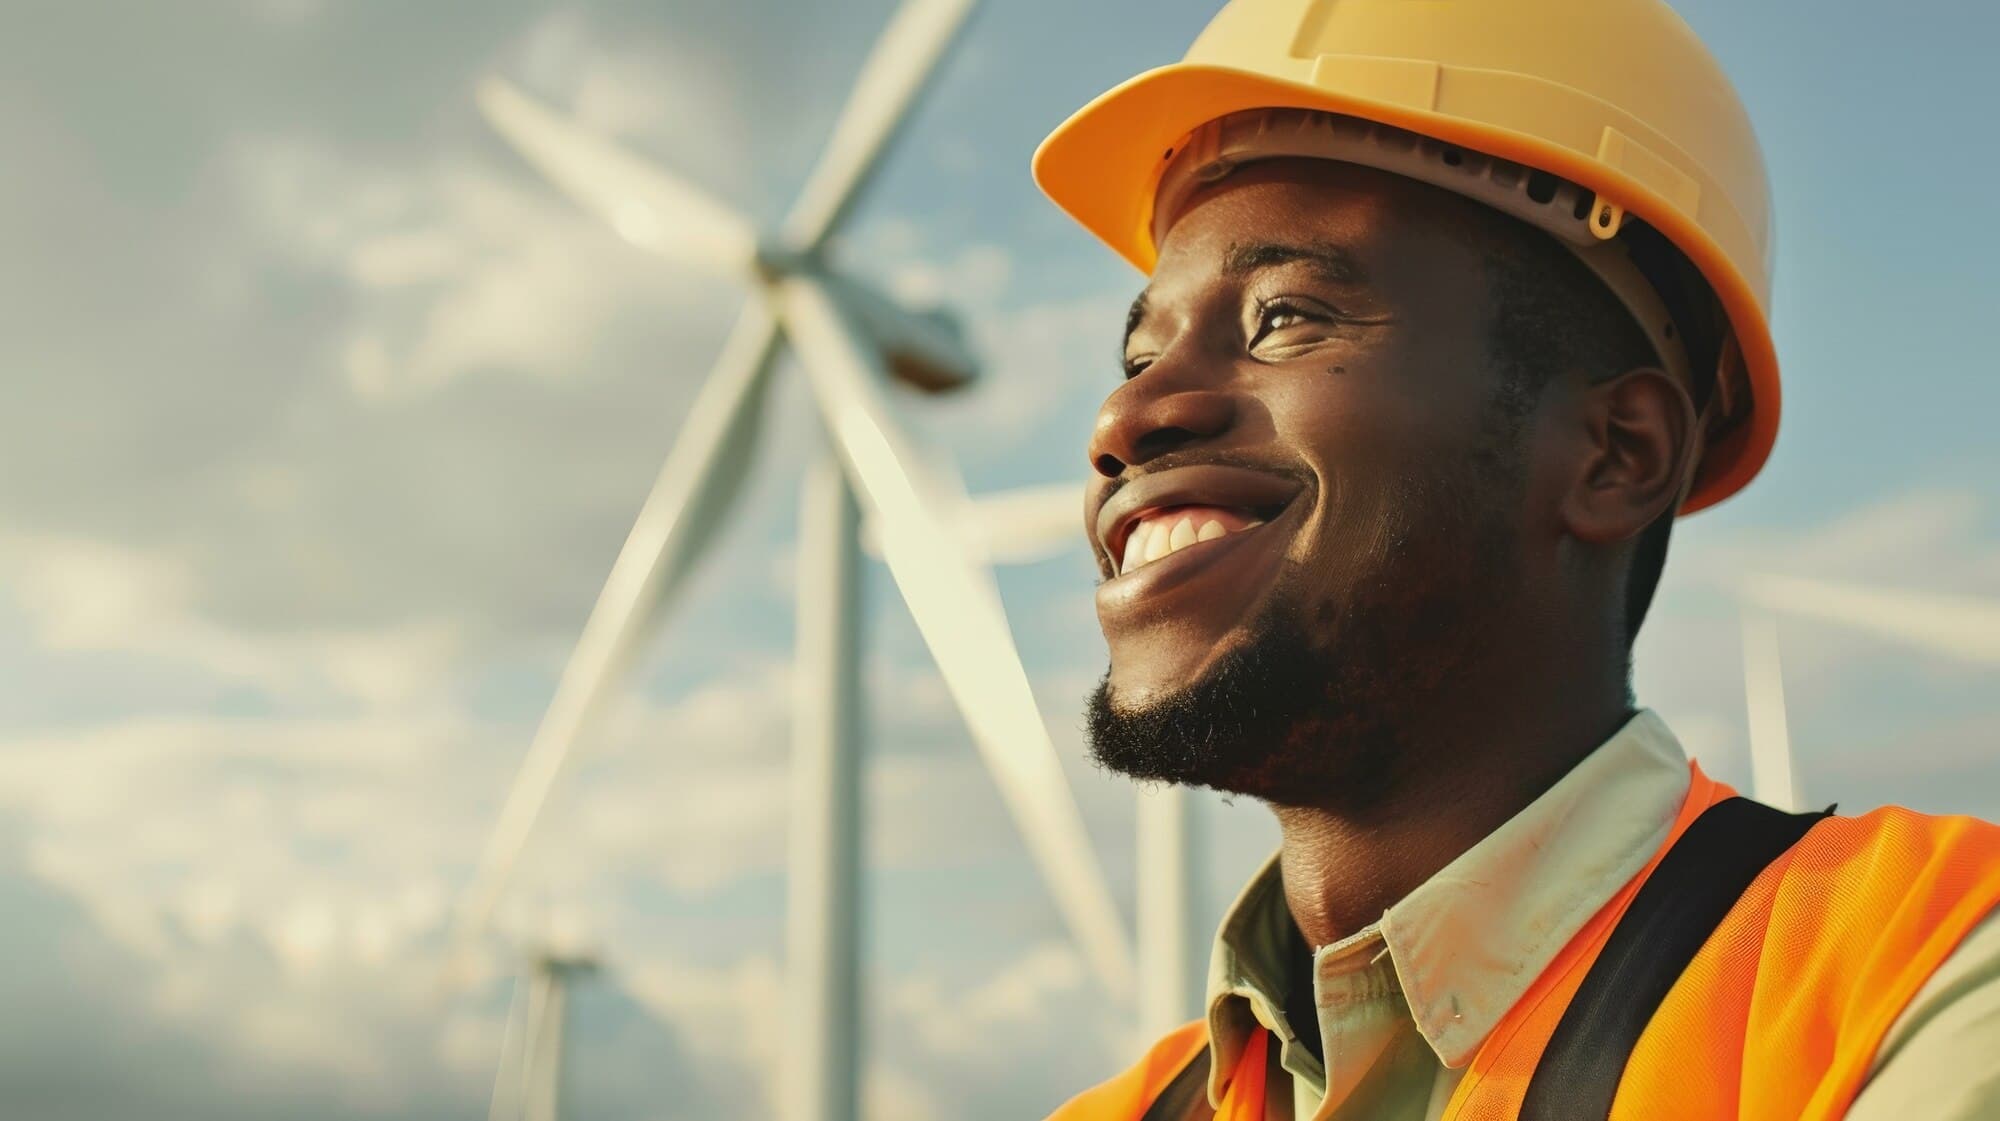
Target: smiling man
{"type": "Point", "coordinates": [1454, 306]}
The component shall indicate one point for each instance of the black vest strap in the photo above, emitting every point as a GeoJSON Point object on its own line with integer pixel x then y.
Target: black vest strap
{"type": "Point", "coordinates": [1673, 914]}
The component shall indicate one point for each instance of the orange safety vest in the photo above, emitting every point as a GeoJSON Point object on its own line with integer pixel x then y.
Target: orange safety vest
{"type": "Point", "coordinates": [1777, 1014]}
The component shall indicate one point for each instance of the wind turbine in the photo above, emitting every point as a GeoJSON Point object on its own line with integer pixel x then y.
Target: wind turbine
{"type": "Point", "coordinates": [1958, 626]}
{"type": "Point", "coordinates": [851, 340]}
{"type": "Point", "coordinates": [530, 1083]}
{"type": "Point", "coordinates": [1773, 780]}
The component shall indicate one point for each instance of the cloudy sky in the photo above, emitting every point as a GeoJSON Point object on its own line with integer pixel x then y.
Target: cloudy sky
{"type": "Point", "coordinates": [323, 418]}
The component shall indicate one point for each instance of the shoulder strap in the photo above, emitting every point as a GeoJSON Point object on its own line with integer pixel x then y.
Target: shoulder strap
{"type": "Point", "coordinates": [1673, 914]}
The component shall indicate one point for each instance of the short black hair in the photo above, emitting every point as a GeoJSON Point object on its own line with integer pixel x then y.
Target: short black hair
{"type": "Point", "coordinates": [1551, 316]}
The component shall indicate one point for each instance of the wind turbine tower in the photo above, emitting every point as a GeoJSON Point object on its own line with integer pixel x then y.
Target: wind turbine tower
{"type": "Point", "coordinates": [530, 1083]}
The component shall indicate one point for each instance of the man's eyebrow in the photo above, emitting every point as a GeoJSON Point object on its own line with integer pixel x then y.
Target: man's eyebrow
{"type": "Point", "coordinates": [1332, 262]}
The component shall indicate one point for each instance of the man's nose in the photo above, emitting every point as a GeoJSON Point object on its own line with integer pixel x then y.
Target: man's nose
{"type": "Point", "coordinates": [1153, 414]}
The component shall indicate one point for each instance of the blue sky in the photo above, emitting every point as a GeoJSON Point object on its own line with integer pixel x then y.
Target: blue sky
{"type": "Point", "coordinates": [323, 418]}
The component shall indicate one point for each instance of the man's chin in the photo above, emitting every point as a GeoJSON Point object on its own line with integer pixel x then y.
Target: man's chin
{"type": "Point", "coordinates": [1126, 736]}
{"type": "Point", "coordinates": [1200, 714]}
{"type": "Point", "coordinates": [1276, 716]}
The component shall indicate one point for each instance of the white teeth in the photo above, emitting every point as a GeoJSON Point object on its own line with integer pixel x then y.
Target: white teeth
{"type": "Point", "coordinates": [1135, 549]}
{"type": "Point", "coordinates": [1152, 539]}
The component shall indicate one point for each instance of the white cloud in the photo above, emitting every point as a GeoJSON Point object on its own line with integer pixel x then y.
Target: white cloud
{"type": "Point", "coordinates": [975, 276]}
{"type": "Point", "coordinates": [84, 595]}
{"type": "Point", "coordinates": [1929, 539]}
{"type": "Point", "coordinates": [739, 1009]}
{"type": "Point", "coordinates": [954, 1018]}
{"type": "Point", "coordinates": [456, 267]}
{"type": "Point", "coordinates": [286, 883]}
{"type": "Point", "coordinates": [319, 839]}
{"type": "Point", "coordinates": [683, 103]}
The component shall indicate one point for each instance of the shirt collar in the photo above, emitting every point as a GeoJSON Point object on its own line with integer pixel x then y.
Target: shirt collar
{"type": "Point", "coordinates": [1469, 941]}
{"type": "Point", "coordinates": [1248, 973]}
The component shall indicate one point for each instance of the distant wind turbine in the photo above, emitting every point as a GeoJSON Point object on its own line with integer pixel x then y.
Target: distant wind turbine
{"type": "Point", "coordinates": [530, 1083]}
{"type": "Point", "coordinates": [1772, 779]}
{"type": "Point", "coordinates": [1957, 626]}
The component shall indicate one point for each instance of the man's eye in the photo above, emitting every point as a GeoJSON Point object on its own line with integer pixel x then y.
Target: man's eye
{"type": "Point", "coordinates": [1136, 366]}
{"type": "Point", "coordinates": [1280, 315]}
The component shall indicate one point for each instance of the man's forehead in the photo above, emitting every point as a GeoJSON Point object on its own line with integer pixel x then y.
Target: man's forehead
{"type": "Point", "coordinates": [1285, 211]}
{"type": "Point", "coordinates": [1331, 217]}
{"type": "Point", "coordinates": [1286, 191]}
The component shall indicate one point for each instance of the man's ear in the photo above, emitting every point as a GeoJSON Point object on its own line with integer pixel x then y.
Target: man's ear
{"type": "Point", "coordinates": [1638, 436]}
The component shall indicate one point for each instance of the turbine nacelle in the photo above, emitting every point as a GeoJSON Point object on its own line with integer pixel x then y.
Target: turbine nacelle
{"type": "Point", "coordinates": [925, 346]}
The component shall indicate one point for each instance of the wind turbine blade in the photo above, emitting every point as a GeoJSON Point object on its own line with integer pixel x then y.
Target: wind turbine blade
{"type": "Point", "coordinates": [702, 474]}
{"type": "Point", "coordinates": [648, 205]}
{"type": "Point", "coordinates": [1014, 526]}
{"type": "Point", "coordinates": [1029, 524]}
{"type": "Point", "coordinates": [899, 67]}
{"type": "Point", "coordinates": [957, 609]}
{"type": "Point", "coordinates": [1961, 626]}
{"type": "Point", "coordinates": [1772, 778]}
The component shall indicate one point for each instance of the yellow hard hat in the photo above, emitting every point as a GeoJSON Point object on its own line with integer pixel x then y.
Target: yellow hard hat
{"type": "Point", "coordinates": [1617, 97]}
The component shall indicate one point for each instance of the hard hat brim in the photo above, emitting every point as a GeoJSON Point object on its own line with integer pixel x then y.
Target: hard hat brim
{"type": "Point", "coordinates": [1102, 165]}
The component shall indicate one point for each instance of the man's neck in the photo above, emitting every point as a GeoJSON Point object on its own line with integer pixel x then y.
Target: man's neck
{"type": "Point", "coordinates": [1344, 866]}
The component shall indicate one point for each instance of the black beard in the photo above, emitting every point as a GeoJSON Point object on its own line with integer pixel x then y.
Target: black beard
{"type": "Point", "coordinates": [1294, 719]}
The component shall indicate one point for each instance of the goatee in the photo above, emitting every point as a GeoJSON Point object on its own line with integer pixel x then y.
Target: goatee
{"type": "Point", "coordinates": [1325, 719]}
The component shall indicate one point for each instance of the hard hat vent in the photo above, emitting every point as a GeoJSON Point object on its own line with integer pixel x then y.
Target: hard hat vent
{"type": "Point", "coordinates": [1542, 187]}
{"type": "Point", "coordinates": [1213, 151]}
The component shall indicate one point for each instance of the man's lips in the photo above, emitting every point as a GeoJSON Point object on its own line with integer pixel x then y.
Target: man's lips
{"type": "Point", "coordinates": [1258, 495]}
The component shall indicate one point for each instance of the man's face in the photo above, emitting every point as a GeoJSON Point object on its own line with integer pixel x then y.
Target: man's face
{"type": "Point", "coordinates": [1309, 397]}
